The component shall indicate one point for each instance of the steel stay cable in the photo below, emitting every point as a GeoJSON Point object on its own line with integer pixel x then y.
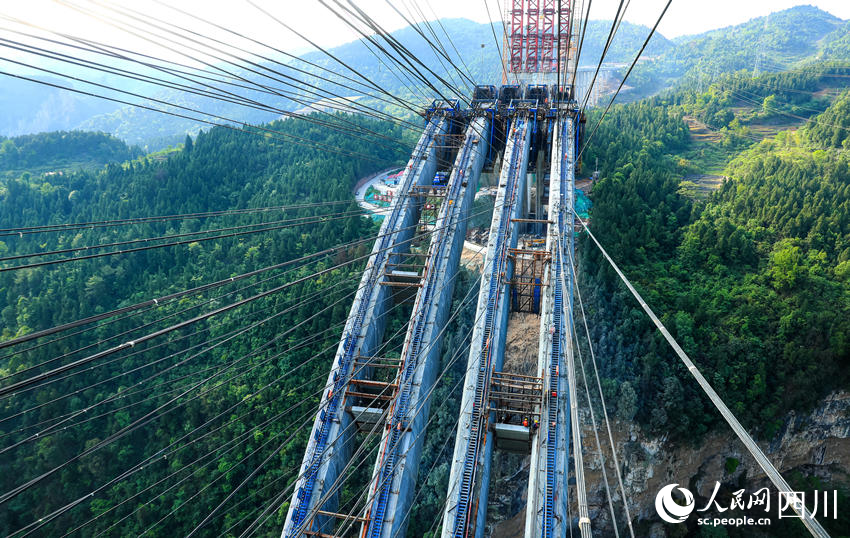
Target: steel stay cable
{"type": "Point", "coordinates": [595, 433]}
{"type": "Point", "coordinates": [407, 68]}
{"type": "Point", "coordinates": [166, 343]}
{"type": "Point", "coordinates": [319, 219]}
{"type": "Point", "coordinates": [495, 40]}
{"type": "Point", "coordinates": [179, 115]}
{"type": "Point", "coordinates": [204, 113]}
{"type": "Point", "coordinates": [129, 313]}
{"type": "Point", "coordinates": [225, 338]}
{"type": "Point", "coordinates": [109, 50]}
{"type": "Point", "coordinates": [134, 425]}
{"type": "Point", "coordinates": [268, 385]}
{"type": "Point", "coordinates": [270, 59]}
{"type": "Point", "coordinates": [448, 37]}
{"type": "Point", "coordinates": [295, 139]}
{"type": "Point", "coordinates": [240, 97]}
{"type": "Point", "coordinates": [580, 42]}
{"type": "Point", "coordinates": [139, 422]}
{"type": "Point", "coordinates": [402, 102]}
{"type": "Point", "coordinates": [402, 61]}
{"type": "Point", "coordinates": [209, 301]}
{"type": "Point", "coordinates": [317, 92]}
{"type": "Point", "coordinates": [131, 392]}
{"type": "Point", "coordinates": [170, 297]}
{"type": "Point", "coordinates": [37, 378]}
{"type": "Point", "coordinates": [368, 239]}
{"type": "Point", "coordinates": [315, 378]}
{"type": "Point", "coordinates": [414, 90]}
{"type": "Point", "coordinates": [279, 51]}
{"type": "Point", "coordinates": [45, 228]}
{"type": "Point", "coordinates": [157, 39]}
{"type": "Point", "coordinates": [127, 394]}
{"type": "Point", "coordinates": [294, 220]}
{"type": "Point", "coordinates": [458, 77]}
{"type": "Point", "coordinates": [217, 94]}
{"type": "Point", "coordinates": [215, 452]}
{"type": "Point", "coordinates": [236, 442]}
{"type": "Point", "coordinates": [401, 49]}
{"type": "Point", "coordinates": [463, 75]}
{"type": "Point", "coordinates": [622, 82]}
{"type": "Point", "coordinates": [153, 459]}
{"type": "Point", "coordinates": [615, 25]}
{"type": "Point", "coordinates": [403, 77]}
{"type": "Point", "coordinates": [15, 386]}
{"type": "Point", "coordinates": [807, 518]}
{"type": "Point", "coordinates": [601, 398]}
{"type": "Point", "coordinates": [439, 49]}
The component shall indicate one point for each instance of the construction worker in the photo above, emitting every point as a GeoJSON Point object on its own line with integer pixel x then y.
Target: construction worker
{"type": "Point", "coordinates": [536, 424]}
{"type": "Point", "coordinates": [525, 421]}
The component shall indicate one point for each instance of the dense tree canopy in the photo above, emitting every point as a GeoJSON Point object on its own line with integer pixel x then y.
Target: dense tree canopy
{"type": "Point", "coordinates": [752, 282]}
{"type": "Point", "coordinates": [266, 379]}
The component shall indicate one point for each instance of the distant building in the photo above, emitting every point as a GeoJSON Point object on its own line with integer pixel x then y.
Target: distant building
{"type": "Point", "coordinates": [393, 179]}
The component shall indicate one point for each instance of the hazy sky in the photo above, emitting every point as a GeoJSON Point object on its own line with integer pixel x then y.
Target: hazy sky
{"type": "Point", "coordinates": [309, 16]}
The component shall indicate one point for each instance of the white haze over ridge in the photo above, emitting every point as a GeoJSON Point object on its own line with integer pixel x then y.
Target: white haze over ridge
{"type": "Point", "coordinates": [684, 17]}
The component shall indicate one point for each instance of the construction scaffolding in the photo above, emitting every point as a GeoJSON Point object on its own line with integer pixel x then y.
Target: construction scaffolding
{"type": "Point", "coordinates": [529, 269]}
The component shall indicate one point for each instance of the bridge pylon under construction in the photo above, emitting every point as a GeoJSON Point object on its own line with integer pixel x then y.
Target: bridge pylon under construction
{"type": "Point", "coordinates": [377, 400]}
{"type": "Point", "coordinates": [523, 135]}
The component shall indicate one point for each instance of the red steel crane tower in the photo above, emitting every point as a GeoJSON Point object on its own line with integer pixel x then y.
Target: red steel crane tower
{"type": "Point", "coordinates": [538, 36]}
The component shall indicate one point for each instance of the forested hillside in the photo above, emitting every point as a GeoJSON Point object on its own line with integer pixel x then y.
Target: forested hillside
{"type": "Point", "coordinates": [752, 282]}
{"type": "Point", "coordinates": [780, 41]}
{"type": "Point", "coordinates": [248, 393]}
{"type": "Point", "coordinates": [61, 150]}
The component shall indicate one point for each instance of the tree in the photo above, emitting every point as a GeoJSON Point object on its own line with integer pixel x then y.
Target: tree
{"type": "Point", "coordinates": [627, 404]}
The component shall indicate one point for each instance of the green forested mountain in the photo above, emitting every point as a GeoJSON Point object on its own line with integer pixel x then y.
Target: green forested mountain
{"type": "Point", "coordinates": [777, 42]}
{"type": "Point", "coordinates": [263, 385]}
{"type": "Point", "coordinates": [62, 150]}
{"type": "Point", "coordinates": [836, 45]}
{"type": "Point", "coordinates": [752, 282]}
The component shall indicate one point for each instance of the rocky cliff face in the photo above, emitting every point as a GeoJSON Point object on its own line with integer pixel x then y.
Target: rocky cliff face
{"type": "Point", "coordinates": [813, 444]}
